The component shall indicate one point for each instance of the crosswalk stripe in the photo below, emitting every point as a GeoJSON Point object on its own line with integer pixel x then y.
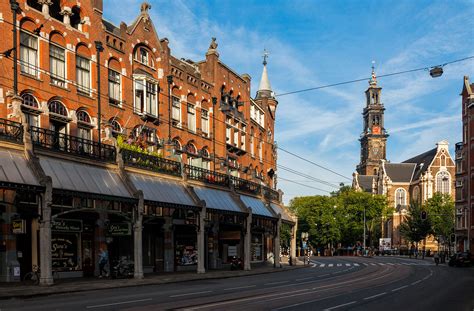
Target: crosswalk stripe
{"type": "Point", "coordinates": [356, 264]}
{"type": "Point", "coordinates": [382, 264]}
{"type": "Point", "coordinates": [322, 265]}
{"type": "Point", "coordinates": [339, 264]}
{"type": "Point", "coordinates": [348, 264]}
{"type": "Point", "coordinates": [389, 263]}
{"type": "Point", "coordinates": [373, 264]}
{"type": "Point", "coordinates": [366, 264]}
{"type": "Point", "coordinates": [330, 265]}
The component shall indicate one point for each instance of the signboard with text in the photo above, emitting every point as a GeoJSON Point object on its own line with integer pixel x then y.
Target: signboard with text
{"type": "Point", "coordinates": [119, 229]}
{"type": "Point", "coordinates": [18, 226]}
{"type": "Point", "coordinates": [66, 225]}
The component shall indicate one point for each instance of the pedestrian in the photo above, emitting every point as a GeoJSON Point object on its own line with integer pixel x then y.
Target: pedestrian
{"type": "Point", "coordinates": [436, 258]}
{"type": "Point", "coordinates": [103, 260]}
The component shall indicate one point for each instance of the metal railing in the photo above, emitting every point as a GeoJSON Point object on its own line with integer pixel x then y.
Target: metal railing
{"type": "Point", "coordinates": [150, 162]}
{"type": "Point", "coordinates": [271, 194]}
{"type": "Point", "coordinates": [207, 176]}
{"type": "Point", "coordinates": [11, 131]}
{"type": "Point", "coordinates": [60, 142]}
{"type": "Point", "coordinates": [245, 185]}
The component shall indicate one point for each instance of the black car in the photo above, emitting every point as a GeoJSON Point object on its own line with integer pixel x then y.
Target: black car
{"type": "Point", "coordinates": [461, 259]}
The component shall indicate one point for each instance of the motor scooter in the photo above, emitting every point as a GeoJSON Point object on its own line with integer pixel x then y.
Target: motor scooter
{"type": "Point", "coordinates": [236, 264]}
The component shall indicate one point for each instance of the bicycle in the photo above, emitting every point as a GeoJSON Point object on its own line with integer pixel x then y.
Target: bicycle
{"type": "Point", "coordinates": [33, 277]}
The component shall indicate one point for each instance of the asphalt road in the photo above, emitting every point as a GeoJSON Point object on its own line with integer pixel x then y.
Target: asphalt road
{"type": "Point", "coordinates": [337, 283]}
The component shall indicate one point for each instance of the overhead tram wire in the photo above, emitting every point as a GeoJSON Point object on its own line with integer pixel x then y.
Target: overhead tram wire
{"type": "Point", "coordinates": [326, 183]}
{"type": "Point", "coordinates": [301, 184]}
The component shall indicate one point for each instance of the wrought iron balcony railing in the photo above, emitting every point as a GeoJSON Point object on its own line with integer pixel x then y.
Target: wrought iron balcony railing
{"type": "Point", "coordinates": [271, 194]}
{"type": "Point", "coordinates": [60, 142]}
{"type": "Point", "coordinates": [207, 176]}
{"type": "Point", "coordinates": [245, 185]}
{"type": "Point", "coordinates": [150, 162]}
{"type": "Point", "coordinates": [11, 131]}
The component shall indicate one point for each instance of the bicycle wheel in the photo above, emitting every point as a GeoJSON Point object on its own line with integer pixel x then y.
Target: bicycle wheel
{"type": "Point", "coordinates": [31, 278]}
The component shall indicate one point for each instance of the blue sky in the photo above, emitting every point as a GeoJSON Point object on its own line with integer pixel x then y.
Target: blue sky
{"type": "Point", "coordinates": [314, 43]}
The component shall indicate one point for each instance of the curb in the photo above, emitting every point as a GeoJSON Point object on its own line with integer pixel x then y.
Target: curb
{"type": "Point", "coordinates": [47, 291]}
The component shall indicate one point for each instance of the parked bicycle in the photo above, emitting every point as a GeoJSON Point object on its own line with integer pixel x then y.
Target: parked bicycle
{"type": "Point", "coordinates": [33, 277]}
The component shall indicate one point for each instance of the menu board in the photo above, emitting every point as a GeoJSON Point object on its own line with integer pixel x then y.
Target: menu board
{"type": "Point", "coordinates": [64, 252]}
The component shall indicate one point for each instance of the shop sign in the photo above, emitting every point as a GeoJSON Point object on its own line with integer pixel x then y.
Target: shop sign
{"type": "Point", "coordinates": [19, 226]}
{"type": "Point", "coordinates": [232, 251]}
{"type": "Point", "coordinates": [119, 229]}
{"type": "Point", "coordinates": [66, 225]}
{"type": "Point", "coordinates": [64, 252]}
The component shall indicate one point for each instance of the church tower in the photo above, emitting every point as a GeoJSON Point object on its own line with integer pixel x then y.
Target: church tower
{"type": "Point", "coordinates": [373, 139]}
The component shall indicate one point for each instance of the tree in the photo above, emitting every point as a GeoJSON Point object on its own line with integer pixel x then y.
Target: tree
{"type": "Point", "coordinates": [440, 209]}
{"type": "Point", "coordinates": [415, 229]}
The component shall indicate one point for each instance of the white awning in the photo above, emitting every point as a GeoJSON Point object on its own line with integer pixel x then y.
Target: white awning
{"type": "Point", "coordinates": [79, 177]}
{"type": "Point", "coordinates": [217, 199]}
{"type": "Point", "coordinates": [257, 206]}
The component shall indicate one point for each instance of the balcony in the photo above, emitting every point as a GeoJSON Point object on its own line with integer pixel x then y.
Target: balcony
{"type": "Point", "coordinates": [271, 194]}
{"type": "Point", "coordinates": [59, 142]}
{"type": "Point", "coordinates": [245, 185]}
{"type": "Point", "coordinates": [11, 131]}
{"type": "Point", "coordinates": [151, 163]}
{"type": "Point", "coordinates": [206, 176]}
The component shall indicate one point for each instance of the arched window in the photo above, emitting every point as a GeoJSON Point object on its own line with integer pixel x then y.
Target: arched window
{"type": "Point", "coordinates": [56, 107]}
{"type": "Point", "coordinates": [28, 48]}
{"type": "Point", "coordinates": [205, 153]}
{"type": "Point", "coordinates": [57, 59]}
{"type": "Point", "coordinates": [55, 10]}
{"type": "Point", "coordinates": [144, 56]}
{"type": "Point", "coordinates": [416, 194]}
{"type": "Point", "coordinates": [177, 145]}
{"type": "Point", "coordinates": [29, 100]}
{"type": "Point", "coordinates": [443, 182]}
{"type": "Point", "coordinates": [116, 127]}
{"type": "Point", "coordinates": [400, 197]}
{"type": "Point", "coordinates": [115, 89]}
{"type": "Point", "coordinates": [83, 116]}
{"type": "Point", "coordinates": [191, 149]}
{"type": "Point", "coordinates": [35, 5]}
{"type": "Point", "coordinates": [443, 160]}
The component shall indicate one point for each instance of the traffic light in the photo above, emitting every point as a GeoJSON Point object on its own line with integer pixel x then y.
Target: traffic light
{"type": "Point", "coordinates": [423, 215]}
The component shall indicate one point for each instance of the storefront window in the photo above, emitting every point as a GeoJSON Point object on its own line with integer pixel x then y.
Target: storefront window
{"type": "Point", "coordinates": [257, 247]}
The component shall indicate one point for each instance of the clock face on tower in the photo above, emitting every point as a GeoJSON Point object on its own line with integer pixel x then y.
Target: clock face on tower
{"type": "Point", "coordinates": [376, 130]}
{"type": "Point", "coordinates": [376, 150]}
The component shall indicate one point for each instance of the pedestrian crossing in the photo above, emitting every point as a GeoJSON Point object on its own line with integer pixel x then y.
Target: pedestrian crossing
{"type": "Point", "coordinates": [365, 264]}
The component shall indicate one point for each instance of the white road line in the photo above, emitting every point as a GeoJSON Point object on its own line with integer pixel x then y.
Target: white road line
{"type": "Point", "coordinates": [330, 265]}
{"type": "Point", "coordinates": [274, 283]}
{"type": "Point", "coordinates": [314, 265]}
{"type": "Point", "coordinates": [320, 276]}
{"type": "Point", "coordinates": [348, 264]}
{"type": "Point", "coordinates": [189, 294]}
{"type": "Point", "coordinates": [399, 288]}
{"type": "Point", "coordinates": [382, 264]}
{"type": "Point", "coordinates": [240, 287]}
{"type": "Point", "coordinates": [309, 278]}
{"type": "Point", "coordinates": [322, 265]}
{"type": "Point", "coordinates": [356, 264]}
{"type": "Point", "coordinates": [343, 305]}
{"type": "Point", "coordinates": [339, 264]}
{"type": "Point", "coordinates": [118, 303]}
{"type": "Point", "coordinates": [416, 282]}
{"type": "Point", "coordinates": [374, 296]}
{"type": "Point", "coordinates": [366, 264]}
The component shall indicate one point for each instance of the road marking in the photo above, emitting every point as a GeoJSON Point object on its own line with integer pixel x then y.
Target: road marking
{"type": "Point", "coordinates": [370, 297]}
{"type": "Point", "coordinates": [343, 305]}
{"type": "Point", "coordinates": [189, 294]}
{"type": "Point", "coordinates": [314, 265]}
{"type": "Point", "coordinates": [330, 265]}
{"type": "Point", "coordinates": [373, 264]}
{"type": "Point", "coordinates": [399, 288]}
{"type": "Point", "coordinates": [309, 278]}
{"type": "Point", "coordinates": [348, 264]}
{"type": "Point", "coordinates": [356, 264]}
{"type": "Point", "coordinates": [391, 264]}
{"type": "Point", "coordinates": [274, 283]}
{"type": "Point", "coordinates": [414, 283]}
{"type": "Point", "coordinates": [339, 264]}
{"type": "Point", "coordinates": [240, 287]}
{"type": "Point", "coordinates": [366, 264]}
{"type": "Point", "coordinates": [322, 265]}
{"type": "Point", "coordinates": [118, 303]}
{"type": "Point", "coordinates": [320, 276]}
{"type": "Point", "coordinates": [382, 264]}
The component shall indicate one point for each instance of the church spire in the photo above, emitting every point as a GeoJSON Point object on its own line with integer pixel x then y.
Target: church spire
{"type": "Point", "coordinates": [265, 89]}
{"type": "Point", "coordinates": [373, 79]}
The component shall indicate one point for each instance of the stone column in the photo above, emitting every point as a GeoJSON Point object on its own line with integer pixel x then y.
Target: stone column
{"type": "Point", "coordinates": [66, 13]}
{"type": "Point", "coordinates": [137, 238]}
{"type": "Point", "coordinates": [276, 243]}
{"type": "Point", "coordinates": [247, 241]}
{"type": "Point", "coordinates": [168, 253]}
{"type": "Point", "coordinates": [201, 241]}
{"type": "Point", "coordinates": [45, 6]}
{"type": "Point", "coordinates": [293, 243]}
{"type": "Point", "coordinates": [46, 277]}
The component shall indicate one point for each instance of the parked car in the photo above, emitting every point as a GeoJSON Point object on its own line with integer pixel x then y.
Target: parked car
{"type": "Point", "coordinates": [461, 259]}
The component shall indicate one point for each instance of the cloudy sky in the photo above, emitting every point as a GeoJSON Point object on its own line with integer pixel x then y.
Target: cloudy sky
{"type": "Point", "coordinates": [316, 43]}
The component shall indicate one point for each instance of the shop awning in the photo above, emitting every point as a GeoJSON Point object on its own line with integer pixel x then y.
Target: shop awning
{"type": "Point", "coordinates": [161, 190]}
{"type": "Point", "coordinates": [217, 199]}
{"type": "Point", "coordinates": [280, 210]}
{"type": "Point", "coordinates": [14, 171]}
{"type": "Point", "coordinates": [257, 206]}
{"type": "Point", "coordinates": [83, 178]}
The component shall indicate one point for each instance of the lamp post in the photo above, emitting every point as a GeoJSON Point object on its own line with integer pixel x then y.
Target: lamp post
{"type": "Point", "coordinates": [304, 239]}
{"type": "Point", "coordinates": [170, 81]}
{"type": "Point", "coordinates": [214, 102]}
{"type": "Point", "coordinates": [363, 244]}
{"type": "Point", "coordinates": [15, 7]}
{"type": "Point", "coordinates": [99, 48]}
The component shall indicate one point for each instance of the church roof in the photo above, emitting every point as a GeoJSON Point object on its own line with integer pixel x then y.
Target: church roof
{"type": "Point", "coordinates": [365, 182]}
{"type": "Point", "coordinates": [400, 172]}
{"type": "Point", "coordinates": [422, 161]}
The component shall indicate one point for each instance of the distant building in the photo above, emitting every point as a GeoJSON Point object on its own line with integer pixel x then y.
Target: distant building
{"type": "Point", "coordinates": [465, 172]}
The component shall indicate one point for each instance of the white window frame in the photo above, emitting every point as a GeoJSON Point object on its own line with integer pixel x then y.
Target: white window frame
{"type": "Point", "coordinates": [443, 186]}
{"type": "Point", "coordinates": [149, 100]}
{"type": "Point", "coordinates": [205, 122]}
{"type": "Point", "coordinates": [114, 84]}
{"type": "Point", "coordinates": [28, 53]}
{"type": "Point", "coordinates": [176, 110]}
{"type": "Point", "coordinates": [55, 78]}
{"type": "Point", "coordinates": [191, 117]}
{"type": "Point", "coordinates": [400, 200]}
{"type": "Point", "coordinates": [81, 86]}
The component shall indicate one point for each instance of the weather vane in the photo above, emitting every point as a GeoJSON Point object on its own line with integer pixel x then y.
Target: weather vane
{"type": "Point", "coordinates": [265, 56]}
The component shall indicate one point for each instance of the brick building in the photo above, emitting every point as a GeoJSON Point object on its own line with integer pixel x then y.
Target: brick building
{"type": "Point", "coordinates": [465, 172]}
{"type": "Point", "coordinates": [413, 180]}
{"type": "Point", "coordinates": [112, 142]}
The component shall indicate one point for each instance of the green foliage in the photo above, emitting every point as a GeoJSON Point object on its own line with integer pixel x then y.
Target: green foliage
{"type": "Point", "coordinates": [440, 209]}
{"type": "Point", "coordinates": [132, 146]}
{"type": "Point", "coordinates": [338, 218]}
{"type": "Point", "coordinates": [415, 229]}
{"type": "Point", "coordinates": [285, 235]}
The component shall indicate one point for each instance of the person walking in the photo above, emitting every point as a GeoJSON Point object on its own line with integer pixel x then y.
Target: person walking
{"type": "Point", "coordinates": [436, 258]}
{"type": "Point", "coordinates": [103, 260]}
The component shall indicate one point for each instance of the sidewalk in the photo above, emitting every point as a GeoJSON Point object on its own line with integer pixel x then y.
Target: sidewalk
{"type": "Point", "coordinates": [18, 290]}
